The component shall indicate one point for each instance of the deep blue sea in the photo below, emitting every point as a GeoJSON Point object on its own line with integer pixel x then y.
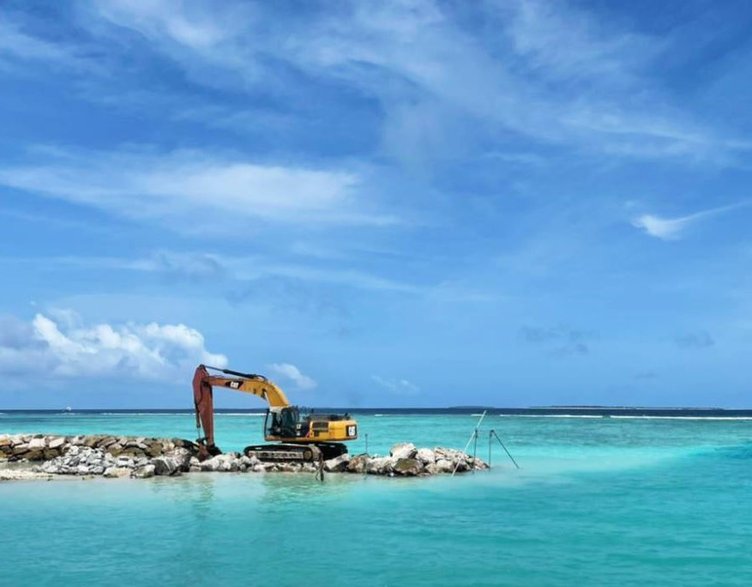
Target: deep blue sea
{"type": "Point", "coordinates": [598, 501]}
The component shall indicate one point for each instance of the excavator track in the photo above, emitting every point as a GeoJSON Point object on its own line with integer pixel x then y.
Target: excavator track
{"type": "Point", "coordinates": [283, 453]}
{"type": "Point", "coordinates": [295, 453]}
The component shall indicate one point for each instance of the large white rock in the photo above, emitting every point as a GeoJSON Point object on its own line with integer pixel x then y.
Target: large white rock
{"type": "Point", "coordinates": [408, 467]}
{"type": "Point", "coordinates": [124, 461]}
{"type": "Point", "coordinates": [143, 472]}
{"type": "Point", "coordinates": [57, 442]}
{"type": "Point", "coordinates": [444, 466]}
{"type": "Point", "coordinates": [425, 456]}
{"type": "Point", "coordinates": [116, 472]}
{"type": "Point", "coordinates": [182, 458]}
{"type": "Point", "coordinates": [358, 464]}
{"type": "Point", "coordinates": [403, 450]}
{"type": "Point", "coordinates": [224, 462]}
{"type": "Point", "coordinates": [166, 466]}
{"type": "Point", "coordinates": [337, 464]}
{"type": "Point", "coordinates": [36, 443]}
{"type": "Point", "coordinates": [380, 465]}
{"type": "Point", "coordinates": [432, 469]}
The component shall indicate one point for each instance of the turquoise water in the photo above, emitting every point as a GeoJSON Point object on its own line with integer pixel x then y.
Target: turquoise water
{"type": "Point", "coordinates": [615, 501]}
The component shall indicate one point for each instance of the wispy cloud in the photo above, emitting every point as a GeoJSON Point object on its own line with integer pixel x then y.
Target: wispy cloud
{"type": "Point", "coordinates": [396, 386]}
{"type": "Point", "coordinates": [548, 71]}
{"type": "Point", "coordinates": [673, 228]}
{"type": "Point", "coordinates": [558, 340]}
{"type": "Point", "coordinates": [694, 340]}
{"type": "Point", "coordinates": [59, 344]}
{"type": "Point", "coordinates": [182, 187]}
{"type": "Point", "coordinates": [18, 48]}
{"type": "Point", "coordinates": [237, 272]}
{"type": "Point", "coordinates": [291, 373]}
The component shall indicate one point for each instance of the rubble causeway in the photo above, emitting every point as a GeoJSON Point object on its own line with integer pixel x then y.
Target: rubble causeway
{"type": "Point", "coordinates": [40, 456]}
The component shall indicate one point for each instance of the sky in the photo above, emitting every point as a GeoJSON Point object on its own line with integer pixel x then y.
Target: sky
{"type": "Point", "coordinates": [376, 204]}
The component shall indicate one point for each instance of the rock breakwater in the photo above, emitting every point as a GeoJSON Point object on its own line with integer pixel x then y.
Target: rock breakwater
{"type": "Point", "coordinates": [40, 456]}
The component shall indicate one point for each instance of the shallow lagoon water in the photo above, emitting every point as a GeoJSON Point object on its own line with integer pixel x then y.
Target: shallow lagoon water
{"type": "Point", "coordinates": [615, 501]}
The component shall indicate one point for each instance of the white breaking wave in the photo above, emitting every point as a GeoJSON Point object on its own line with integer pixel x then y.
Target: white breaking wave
{"type": "Point", "coordinates": [181, 414]}
{"type": "Point", "coordinates": [549, 416]}
{"type": "Point", "coordinates": [683, 417]}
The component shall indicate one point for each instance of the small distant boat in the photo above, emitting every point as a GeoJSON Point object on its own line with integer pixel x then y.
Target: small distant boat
{"type": "Point", "coordinates": [68, 409]}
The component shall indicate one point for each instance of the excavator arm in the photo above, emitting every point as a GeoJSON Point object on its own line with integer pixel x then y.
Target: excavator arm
{"type": "Point", "coordinates": [259, 386]}
{"type": "Point", "coordinates": [203, 396]}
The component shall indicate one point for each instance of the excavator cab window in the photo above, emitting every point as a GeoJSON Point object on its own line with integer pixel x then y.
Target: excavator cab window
{"type": "Point", "coordinates": [288, 419]}
{"type": "Point", "coordinates": [284, 423]}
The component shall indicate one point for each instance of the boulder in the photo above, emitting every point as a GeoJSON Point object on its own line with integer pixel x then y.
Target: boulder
{"type": "Point", "coordinates": [116, 472]}
{"type": "Point", "coordinates": [408, 467]}
{"type": "Point", "coordinates": [432, 469]}
{"type": "Point", "coordinates": [403, 450]}
{"type": "Point", "coordinates": [251, 461]}
{"type": "Point", "coordinates": [425, 456]}
{"type": "Point", "coordinates": [115, 449]}
{"type": "Point", "coordinates": [143, 472]}
{"type": "Point", "coordinates": [358, 464]}
{"type": "Point", "coordinates": [444, 466]}
{"type": "Point", "coordinates": [50, 453]}
{"type": "Point", "coordinates": [92, 441]}
{"type": "Point", "coordinates": [337, 464]}
{"type": "Point", "coordinates": [124, 461]}
{"type": "Point", "coordinates": [36, 454]}
{"type": "Point", "coordinates": [37, 443]}
{"type": "Point", "coordinates": [166, 466]}
{"type": "Point", "coordinates": [56, 442]}
{"type": "Point", "coordinates": [183, 458]}
{"type": "Point", "coordinates": [224, 462]}
{"type": "Point", "coordinates": [460, 466]}
{"type": "Point", "coordinates": [380, 465]}
{"type": "Point", "coordinates": [106, 441]}
{"type": "Point", "coordinates": [20, 448]}
{"type": "Point", "coordinates": [154, 449]}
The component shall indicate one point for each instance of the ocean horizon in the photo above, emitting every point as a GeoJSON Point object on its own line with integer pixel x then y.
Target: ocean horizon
{"type": "Point", "coordinates": [566, 410]}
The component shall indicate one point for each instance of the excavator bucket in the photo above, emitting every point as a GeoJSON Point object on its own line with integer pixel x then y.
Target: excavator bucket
{"type": "Point", "coordinates": [204, 401]}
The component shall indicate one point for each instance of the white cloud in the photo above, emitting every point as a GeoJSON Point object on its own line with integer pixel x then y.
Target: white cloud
{"type": "Point", "coordinates": [190, 187]}
{"type": "Point", "coordinates": [429, 72]}
{"type": "Point", "coordinates": [293, 374]}
{"type": "Point", "coordinates": [17, 45]}
{"type": "Point", "coordinates": [60, 345]}
{"type": "Point", "coordinates": [186, 23]}
{"type": "Point", "coordinates": [549, 71]}
{"type": "Point", "coordinates": [398, 386]}
{"type": "Point", "coordinates": [673, 228]}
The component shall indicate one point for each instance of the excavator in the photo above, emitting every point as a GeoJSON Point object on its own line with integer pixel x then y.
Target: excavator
{"type": "Point", "coordinates": [297, 437]}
